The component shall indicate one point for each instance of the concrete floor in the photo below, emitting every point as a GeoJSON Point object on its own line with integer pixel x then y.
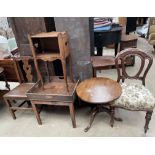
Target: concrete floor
{"type": "Point", "coordinates": [56, 120]}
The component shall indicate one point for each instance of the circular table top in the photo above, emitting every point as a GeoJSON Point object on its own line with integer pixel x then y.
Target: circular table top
{"type": "Point", "coordinates": [98, 90]}
{"type": "Point", "coordinates": [1, 70]}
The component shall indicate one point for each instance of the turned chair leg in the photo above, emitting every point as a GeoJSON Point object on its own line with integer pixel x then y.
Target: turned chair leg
{"type": "Point", "coordinates": [147, 120]}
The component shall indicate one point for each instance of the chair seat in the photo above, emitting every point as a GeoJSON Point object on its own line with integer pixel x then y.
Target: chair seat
{"type": "Point", "coordinates": [135, 97]}
{"type": "Point", "coordinates": [102, 61]}
{"type": "Point", "coordinates": [19, 92]}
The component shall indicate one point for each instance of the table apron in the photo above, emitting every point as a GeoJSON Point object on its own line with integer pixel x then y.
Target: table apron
{"type": "Point", "coordinates": [52, 103]}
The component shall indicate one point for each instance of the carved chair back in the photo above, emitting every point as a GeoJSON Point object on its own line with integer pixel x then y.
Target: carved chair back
{"type": "Point", "coordinates": [120, 61]}
{"type": "Point", "coordinates": [26, 66]}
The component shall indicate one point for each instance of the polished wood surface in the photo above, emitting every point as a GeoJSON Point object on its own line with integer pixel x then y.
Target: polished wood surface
{"type": "Point", "coordinates": [98, 90]}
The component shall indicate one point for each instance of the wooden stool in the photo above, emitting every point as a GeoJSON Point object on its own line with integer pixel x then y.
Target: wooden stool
{"type": "Point", "coordinates": [3, 75]}
{"type": "Point", "coordinates": [128, 41]}
{"type": "Point", "coordinates": [102, 62]}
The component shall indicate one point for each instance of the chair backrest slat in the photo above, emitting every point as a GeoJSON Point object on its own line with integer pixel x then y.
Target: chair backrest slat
{"type": "Point", "coordinates": [121, 67]}
{"type": "Point", "coordinates": [26, 66]}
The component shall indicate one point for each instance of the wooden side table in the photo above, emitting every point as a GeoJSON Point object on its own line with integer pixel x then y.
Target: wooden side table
{"type": "Point", "coordinates": [54, 93]}
{"type": "Point", "coordinates": [50, 46]}
{"type": "Point", "coordinates": [100, 92]}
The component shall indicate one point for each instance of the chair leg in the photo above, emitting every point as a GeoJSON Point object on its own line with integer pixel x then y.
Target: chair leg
{"type": "Point", "coordinates": [147, 118]}
{"type": "Point", "coordinates": [7, 102]}
{"type": "Point", "coordinates": [72, 114]}
{"type": "Point", "coordinates": [36, 113]}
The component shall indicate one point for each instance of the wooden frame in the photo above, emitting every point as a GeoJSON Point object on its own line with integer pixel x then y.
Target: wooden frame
{"type": "Point", "coordinates": [62, 54]}
{"type": "Point", "coordinates": [53, 96]}
{"type": "Point", "coordinates": [122, 74]}
{"type": "Point", "coordinates": [19, 92]}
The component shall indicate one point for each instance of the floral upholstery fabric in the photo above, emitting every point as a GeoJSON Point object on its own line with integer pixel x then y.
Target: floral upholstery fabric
{"type": "Point", "coordinates": [135, 97]}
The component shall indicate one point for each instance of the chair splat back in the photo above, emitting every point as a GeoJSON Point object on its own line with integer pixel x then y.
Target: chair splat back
{"type": "Point", "coordinates": [26, 66]}
{"type": "Point", "coordinates": [121, 68]}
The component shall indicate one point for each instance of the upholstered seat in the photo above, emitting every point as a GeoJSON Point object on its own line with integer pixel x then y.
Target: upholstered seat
{"type": "Point", "coordinates": [135, 97]}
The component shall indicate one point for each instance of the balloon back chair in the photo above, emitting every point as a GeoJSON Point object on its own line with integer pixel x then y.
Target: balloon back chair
{"type": "Point", "coordinates": [135, 96]}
